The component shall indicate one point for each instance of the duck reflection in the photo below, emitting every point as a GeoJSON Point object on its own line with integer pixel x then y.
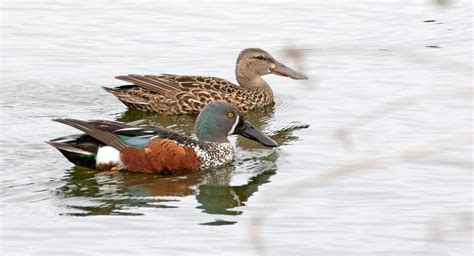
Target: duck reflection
{"type": "Point", "coordinates": [222, 198]}
{"type": "Point", "coordinates": [125, 193]}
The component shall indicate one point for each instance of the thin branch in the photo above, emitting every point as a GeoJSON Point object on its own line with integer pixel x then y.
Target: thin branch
{"type": "Point", "coordinates": [332, 174]}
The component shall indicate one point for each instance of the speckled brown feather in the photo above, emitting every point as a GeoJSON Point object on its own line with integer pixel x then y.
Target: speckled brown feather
{"type": "Point", "coordinates": [161, 157]}
{"type": "Point", "coordinates": [173, 94]}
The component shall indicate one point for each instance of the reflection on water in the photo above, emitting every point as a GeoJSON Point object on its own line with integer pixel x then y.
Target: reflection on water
{"type": "Point", "coordinates": [106, 193]}
{"type": "Point", "coordinates": [125, 193]}
{"type": "Point", "coordinates": [220, 199]}
{"type": "Point", "coordinates": [217, 196]}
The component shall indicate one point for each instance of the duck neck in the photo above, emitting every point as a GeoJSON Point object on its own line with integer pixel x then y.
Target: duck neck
{"type": "Point", "coordinates": [254, 83]}
{"type": "Point", "coordinates": [210, 134]}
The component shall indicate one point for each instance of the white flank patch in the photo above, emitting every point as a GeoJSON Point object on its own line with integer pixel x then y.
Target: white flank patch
{"type": "Point", "coordinates": [107, 155]}
{"type": "Point", "coordinates": [232, 130]}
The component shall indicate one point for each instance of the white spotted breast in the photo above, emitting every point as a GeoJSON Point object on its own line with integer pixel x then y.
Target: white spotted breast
{"type": "Point", "coordinates": [214, 154]}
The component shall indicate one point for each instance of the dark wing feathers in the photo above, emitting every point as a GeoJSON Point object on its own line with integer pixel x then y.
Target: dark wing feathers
{"type": "Point", "coordinates": [108, 126]}
{"type": "Point", "coordinates": [92, 129]}
{"type": "Point", "coordinates": [152, 83]}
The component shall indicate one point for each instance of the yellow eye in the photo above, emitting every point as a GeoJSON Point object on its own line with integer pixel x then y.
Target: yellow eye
{"type": "Point", "coordinates": [230, 115]}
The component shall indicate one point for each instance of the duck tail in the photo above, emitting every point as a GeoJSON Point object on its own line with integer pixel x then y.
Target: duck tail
{"type": "Point", "coordinates": [129, 100]}
{"type": "Point", "coordinates": [71, 148]}
{"type": "Point", "coordinates": [113, 90]}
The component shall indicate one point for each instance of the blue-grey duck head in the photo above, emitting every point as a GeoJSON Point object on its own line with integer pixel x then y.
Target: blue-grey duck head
{"type": "Point", "coordinates": [255, 62]}
{"type": "Point", "coordinates": [219, 119]}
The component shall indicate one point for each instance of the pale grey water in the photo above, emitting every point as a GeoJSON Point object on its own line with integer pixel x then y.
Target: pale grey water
{"type": "Point", "coordinates": [56, 55]}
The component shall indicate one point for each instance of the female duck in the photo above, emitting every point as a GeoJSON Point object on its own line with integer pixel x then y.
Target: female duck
{"type": "Point", "coordinates": [173, 94]}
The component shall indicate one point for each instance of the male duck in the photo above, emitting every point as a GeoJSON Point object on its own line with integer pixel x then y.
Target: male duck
{"type": "Point", "coordinates": [109, 145]}
{"type": "Point", "coordinates": [174, 94]}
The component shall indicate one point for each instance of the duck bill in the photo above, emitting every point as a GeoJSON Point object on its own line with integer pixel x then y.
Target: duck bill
{"type": "Point", "coordinates": [283, 70]}
{"type": "Point", "coordinates": [248, 131]}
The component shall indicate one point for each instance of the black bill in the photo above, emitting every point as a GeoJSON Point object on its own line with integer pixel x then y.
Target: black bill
{"type": "Point", "coordinates": [248, 131]}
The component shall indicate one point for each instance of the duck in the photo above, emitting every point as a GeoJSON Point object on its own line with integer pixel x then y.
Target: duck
{"type": "Point", "coordinates": [184, 94]}
{"type": "Point", "coordinates": [111, 145]}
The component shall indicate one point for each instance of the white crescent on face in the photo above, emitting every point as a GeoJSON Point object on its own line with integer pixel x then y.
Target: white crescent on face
{"type": "Point", "coordinates": [232, 130]}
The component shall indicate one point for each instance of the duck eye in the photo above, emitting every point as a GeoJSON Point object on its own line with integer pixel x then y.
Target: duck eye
{"type": "Point", "coordinates": [230, 115]}
{"type": "Point", "coordinates": [260, 57]}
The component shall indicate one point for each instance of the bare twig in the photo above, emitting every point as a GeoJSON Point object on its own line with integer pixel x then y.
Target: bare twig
{"type": "Point", "coordinates": [335, 173]}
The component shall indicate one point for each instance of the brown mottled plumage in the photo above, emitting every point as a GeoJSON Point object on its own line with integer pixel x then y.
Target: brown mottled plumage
{"type": "Point", "coordinates": [174, 94]}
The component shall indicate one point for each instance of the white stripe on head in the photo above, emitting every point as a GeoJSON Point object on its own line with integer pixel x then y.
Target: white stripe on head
{"type": "Point", "coordinates": [232, 130]}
